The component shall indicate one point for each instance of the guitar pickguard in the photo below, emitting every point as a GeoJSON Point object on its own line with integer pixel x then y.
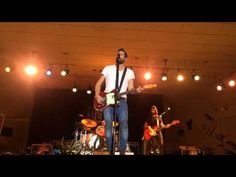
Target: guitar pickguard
{"type": "Point", "coordinates": [110, 98]}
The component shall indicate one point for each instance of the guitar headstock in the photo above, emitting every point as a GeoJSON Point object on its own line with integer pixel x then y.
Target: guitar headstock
{"type": "Point", "coordinates": [148, 86]}
{"type": "Point", "coordinates": [174, 122]}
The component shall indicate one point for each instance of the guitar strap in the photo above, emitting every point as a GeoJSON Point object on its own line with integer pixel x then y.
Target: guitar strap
{"type": "Point", "coordinates": [122, 79]}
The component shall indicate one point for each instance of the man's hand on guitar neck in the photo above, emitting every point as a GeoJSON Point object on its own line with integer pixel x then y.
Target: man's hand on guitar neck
{"type": "Point", "coordinates": [136, 90]}
{"type": "Point", "coordinates": [139, 89]}
{"type": "Point", "coordinates": [167, 126]}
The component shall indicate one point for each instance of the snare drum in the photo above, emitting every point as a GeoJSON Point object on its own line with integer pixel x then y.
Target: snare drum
{"type": "Point", "coordinates": [100, 130]}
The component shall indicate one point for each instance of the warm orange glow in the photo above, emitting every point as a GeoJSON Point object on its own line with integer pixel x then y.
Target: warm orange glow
{"type": "Point", "coordinates": [31, 70]}
{"type": "Point", "coordinates": [147, 75]}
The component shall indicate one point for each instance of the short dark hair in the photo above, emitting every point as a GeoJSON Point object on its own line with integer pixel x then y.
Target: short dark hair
{"type": "Point", "coordinates": [123, 50]}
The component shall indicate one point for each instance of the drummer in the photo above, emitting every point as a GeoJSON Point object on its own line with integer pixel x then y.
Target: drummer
{"type": "Point", "coordinates": [100, 130]}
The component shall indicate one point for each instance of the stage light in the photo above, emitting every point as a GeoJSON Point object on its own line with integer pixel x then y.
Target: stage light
{"type": "Point", "coordinates": [180, 77]}
{"type": "Point", "coordinates": [231, 83]}
{"type": "Point", "coordinates": [31, 70]}
{"type": "Point", "coordinates": [147, 75]}
{"type": "Point", "coordinates": [196, 77]}
{"type": "Point", "coordinates": [74, 89]}
{"type": "Point", "coordinates": [7, 69]}
{"type": "Point", "coordinates": [89, 90]}
{"type": "Point", "coordinates": [164, 77]}
{"type": "Point", "coordinates": [65, 72]}
{"type": "Point", "coordinates": [219, 88]}
{"type": "Point", "coordinates": [48, 72]}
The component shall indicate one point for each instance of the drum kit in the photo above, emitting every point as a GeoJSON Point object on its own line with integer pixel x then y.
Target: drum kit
{"type": "Point", "coordinates": [91, 138]}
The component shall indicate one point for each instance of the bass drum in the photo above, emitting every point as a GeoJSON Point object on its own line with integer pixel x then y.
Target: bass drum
{"type": "Point", "coordinates": [96, 142]}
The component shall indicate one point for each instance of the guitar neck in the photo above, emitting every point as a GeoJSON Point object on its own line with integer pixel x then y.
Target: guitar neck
{"type": "Point", "coordinates": [158, 128]}
{"type": "Point", "coordinates": [124, 93]}
{"type": "Point", "coordinates": [134, 91]}
{"type": "Point", "coordinates": [128, 92]}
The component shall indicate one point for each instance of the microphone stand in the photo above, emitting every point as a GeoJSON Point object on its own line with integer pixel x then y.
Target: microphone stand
{"type": "Point", "coordinates": [2, 119]}
{"type": "Point", "coordinates": [115, 106]}
{"type": "Point", "coordinates": [165, 112]}
{"type": "Point", "coordinates": [160, 132]}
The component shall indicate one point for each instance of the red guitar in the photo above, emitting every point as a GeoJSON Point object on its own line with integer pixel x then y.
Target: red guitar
{"type": "Point", "coordinates": [149, 131]}
{"type": "Point", "coordinates": [109, 98]}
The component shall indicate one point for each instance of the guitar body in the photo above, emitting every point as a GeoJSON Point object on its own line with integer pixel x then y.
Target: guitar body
{"type": "Point", "coordinates": [148, 134]}
{"type": "Point", "coordinates": [108, 100]}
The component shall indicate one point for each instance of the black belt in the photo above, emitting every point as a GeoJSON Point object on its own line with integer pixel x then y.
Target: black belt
{"type": "Point", "coordinates": [122, 98]}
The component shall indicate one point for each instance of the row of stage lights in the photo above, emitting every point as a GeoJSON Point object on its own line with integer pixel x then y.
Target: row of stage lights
{"type": "Point", "coordinates": [32, 70]}
{"type": "Point", "coordinates": [180, 77]}
{"type": "Point", "coordinates": [75, 89]}
{"type": "Point", "coordinates": [221, 87]}
{"type": "Point", "coordinates": [226, 81]}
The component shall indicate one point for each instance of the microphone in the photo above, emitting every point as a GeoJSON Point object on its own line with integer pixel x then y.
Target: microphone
{"type": "Point", "coordinates": [118, 59]}
{"type": "Point", "coordinates": [168, 109]}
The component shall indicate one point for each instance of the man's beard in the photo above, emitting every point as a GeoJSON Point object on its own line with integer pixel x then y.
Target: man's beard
{"type": "Point", "coordinates": [120, 61]}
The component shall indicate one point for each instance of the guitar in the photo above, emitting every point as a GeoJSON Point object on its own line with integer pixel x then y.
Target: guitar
{"type": "Point", "coordinates": [109, 98]}
{"type": "Point", "coordinates": [149, 131]}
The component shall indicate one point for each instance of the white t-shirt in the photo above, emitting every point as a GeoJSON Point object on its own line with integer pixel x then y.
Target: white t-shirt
{"type": "Point", "coordinates": [110, 74]}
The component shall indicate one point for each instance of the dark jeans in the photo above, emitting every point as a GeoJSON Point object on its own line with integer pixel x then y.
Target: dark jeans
{"type": "Point", "coordinates": [152, 146]}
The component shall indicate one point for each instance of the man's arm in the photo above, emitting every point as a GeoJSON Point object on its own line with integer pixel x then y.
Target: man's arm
{"type": "Point", "coordinates": [165, 126]}
{"type": "Point", "coordinates": [132, 89]}
{"type": "Point", "coordinates": [131, 85]}
{"type": "Point", "coordinates": [98, 89]}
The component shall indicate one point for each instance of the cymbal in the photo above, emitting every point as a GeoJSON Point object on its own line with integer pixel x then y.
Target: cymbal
{"type": "Point", "coordinates": [89, 123]}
